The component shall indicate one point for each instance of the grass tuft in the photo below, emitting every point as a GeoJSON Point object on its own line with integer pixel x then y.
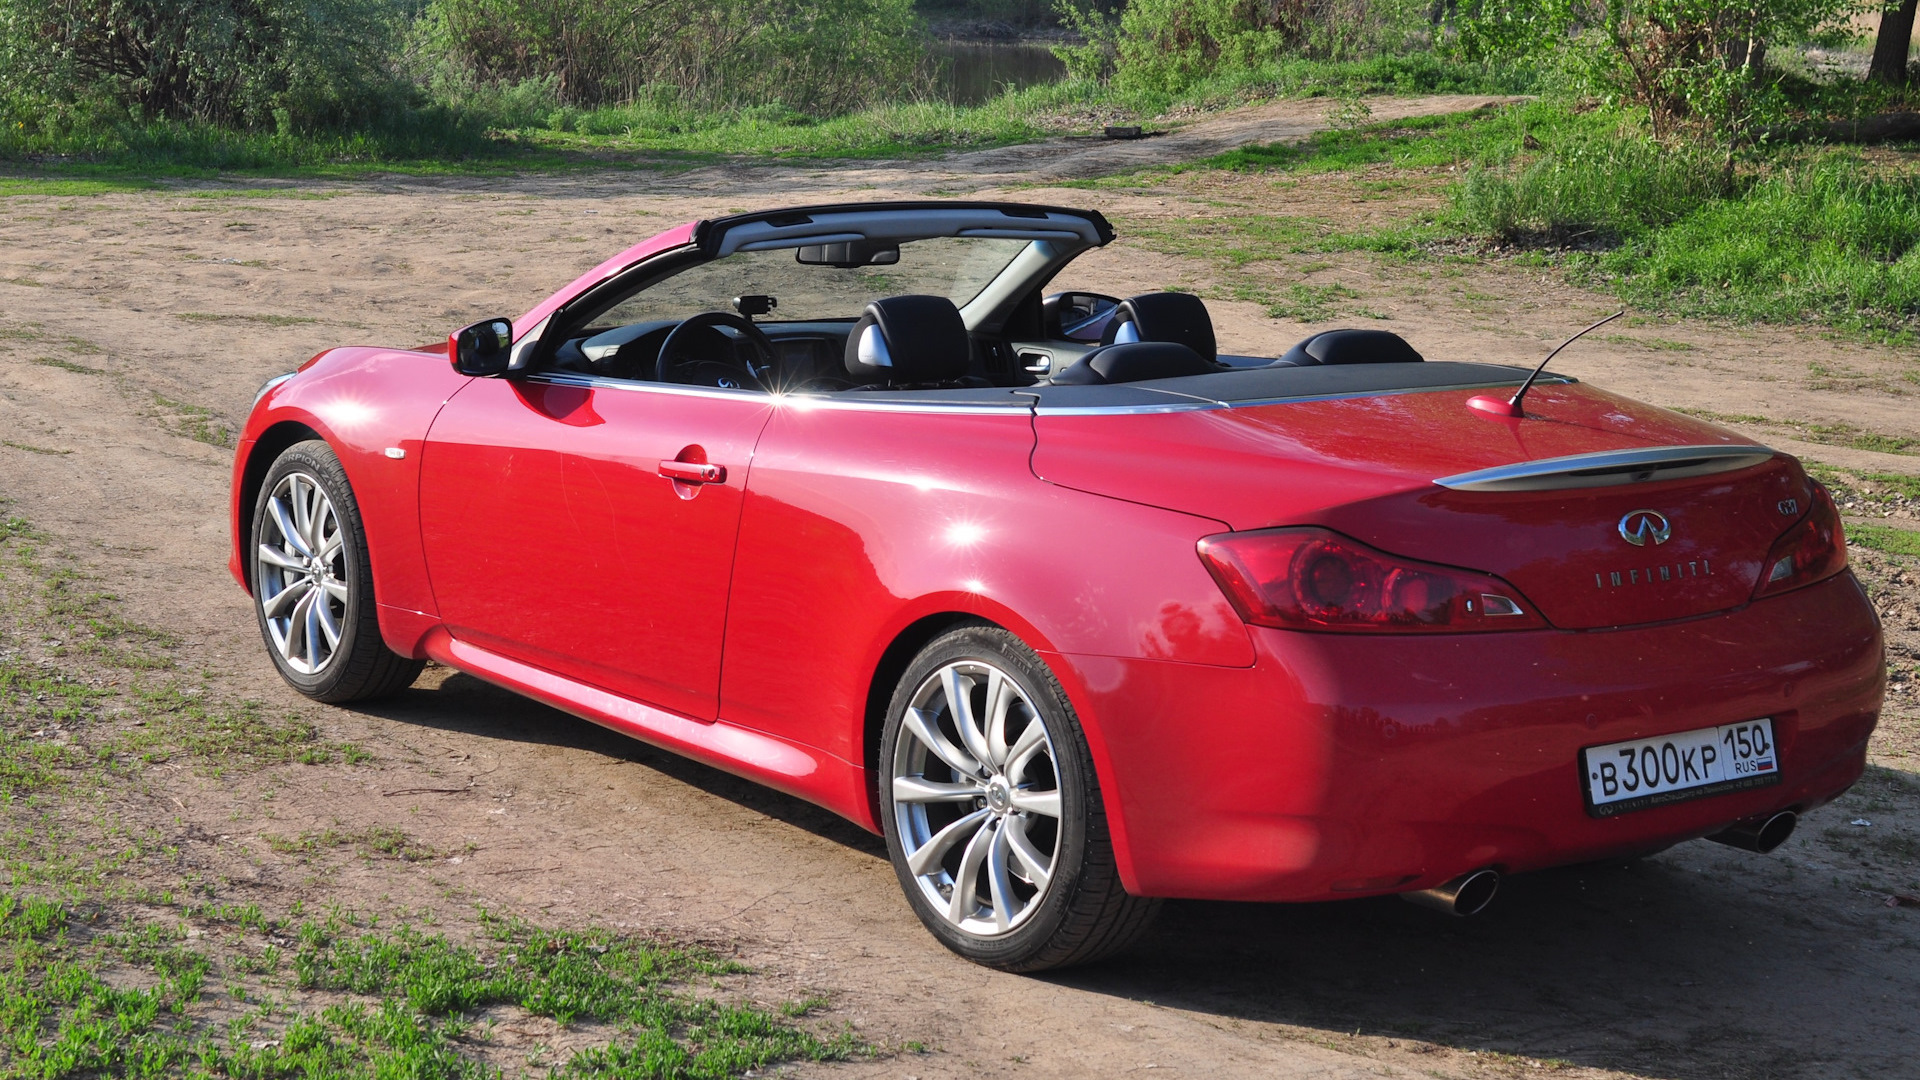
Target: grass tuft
{"type": "Point", "coordinates": [1885, 538]}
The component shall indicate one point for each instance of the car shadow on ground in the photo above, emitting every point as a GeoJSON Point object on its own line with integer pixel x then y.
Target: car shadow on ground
{"type": "Point", "coordinates": [1702, 961]}
{"type": "Point", "coordinates": [464, 704]}
{"type": "Point", "coordinates": [1699, 962]}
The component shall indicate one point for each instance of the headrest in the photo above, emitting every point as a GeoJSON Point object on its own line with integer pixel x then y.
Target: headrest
{"type": "Point", "coordinates": [1132, 362]}
{"type": "Point", "coordinates": [1350, 347]}
{"type": "Point", "coordinates": [909, 339]}
{"type": "Point", "coordinates": [1174, 317]}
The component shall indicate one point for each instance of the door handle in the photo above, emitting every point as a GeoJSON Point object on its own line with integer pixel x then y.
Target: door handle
{"type": "Point", "coordinates": [693, 472]}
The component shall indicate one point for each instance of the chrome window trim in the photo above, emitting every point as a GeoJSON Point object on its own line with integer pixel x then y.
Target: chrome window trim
{"type": "Point", "coordinates": [1611, 468]}
{"type": "Point", "coordinates": [841, 400]}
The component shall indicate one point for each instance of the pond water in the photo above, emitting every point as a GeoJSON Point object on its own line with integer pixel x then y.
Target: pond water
{"type": "Point", "coordinates": [972, 72]}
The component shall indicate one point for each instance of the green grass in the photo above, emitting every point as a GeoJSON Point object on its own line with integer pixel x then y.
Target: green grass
{"type": "Point", "coordinates": [32, 449]}
{"type": "Point", "coordinates": [377, 841]}
{"type": "Point", "coordinates": [1868, 486]}
{"type": "Point", "coordinates": [67, 365]}
{"type": "Point", "coordinates": [86, 991]}
{"type": "Point", "coordinates": [196, 422]}
{"type": "Point", "coordinates": [62, 188]}
{"type": "Point", "coordinates": [1847, 435]}
{"type": "Point", "coordinates": [1885, 538]}
{"type": "Point", "coordinates": [263, 320]}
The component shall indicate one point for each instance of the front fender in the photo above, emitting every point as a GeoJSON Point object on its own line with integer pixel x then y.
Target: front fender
{"type": "Point", "coordinates": [373, 408]}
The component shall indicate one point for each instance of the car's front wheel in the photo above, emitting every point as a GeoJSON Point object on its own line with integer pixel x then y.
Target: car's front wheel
{"type": "Point", "coordinates": [992, 811]}
{"type": "Point", "coordinates": [313, 585]}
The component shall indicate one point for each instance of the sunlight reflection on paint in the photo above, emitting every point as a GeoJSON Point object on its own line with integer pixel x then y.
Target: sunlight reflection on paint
{"type": "Point", "coordinates": [347, 413]}
{"type": "Point", "coordinates": [965, 533]}
{"type": "Point", "coordinates": [974, 585]}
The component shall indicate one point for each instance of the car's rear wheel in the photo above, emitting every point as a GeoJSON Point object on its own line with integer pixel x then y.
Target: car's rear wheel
{"type": "Point", "coordinates": [313, 584]}
{"type": "Point", "coordinates": [992, 811]}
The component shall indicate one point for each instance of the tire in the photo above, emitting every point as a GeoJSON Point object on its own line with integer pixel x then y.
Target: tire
{"type": "Point", "coordinates": [1022, 839]}
{"type": "Point", "coordinates": [313, 583]}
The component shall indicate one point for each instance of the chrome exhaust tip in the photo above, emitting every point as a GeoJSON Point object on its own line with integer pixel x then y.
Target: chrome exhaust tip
{"type": "Point", "coordinates": [1762, 838]}
{"type": "Point", "coordinates": [1468, 894]}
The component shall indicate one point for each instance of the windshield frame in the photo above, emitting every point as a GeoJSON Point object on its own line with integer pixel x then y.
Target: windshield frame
{"type": "Point", "coordinates": [768, 263]}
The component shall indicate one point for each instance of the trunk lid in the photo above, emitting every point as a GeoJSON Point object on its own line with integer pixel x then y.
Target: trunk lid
{"type": "Point", "coordinates": [1423, 475]}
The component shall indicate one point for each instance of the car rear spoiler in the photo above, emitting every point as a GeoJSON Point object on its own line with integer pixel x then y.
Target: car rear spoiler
{"type": "Point", "coordinates": [1610, 468]}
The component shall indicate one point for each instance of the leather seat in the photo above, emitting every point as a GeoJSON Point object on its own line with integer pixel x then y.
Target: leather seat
{"type": "Point", "coordinates": [909, 341]}
{"type": "Point", "coordinates": [1350, 347]}
{"type": "Point", "coordinates": [1175, 318]}
{"type": "Point", "coordinates": [1132, 362]}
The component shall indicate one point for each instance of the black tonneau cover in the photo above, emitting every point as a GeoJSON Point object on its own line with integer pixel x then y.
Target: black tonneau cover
{"type": "Point", "coordinates": [1242, 387]}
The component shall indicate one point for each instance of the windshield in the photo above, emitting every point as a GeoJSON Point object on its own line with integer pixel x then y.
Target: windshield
{"type": "Point", "coordinates": [957, 268]}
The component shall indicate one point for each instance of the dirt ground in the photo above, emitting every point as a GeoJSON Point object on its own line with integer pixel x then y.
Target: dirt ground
{"type": "Point", "coordinates": [134, 329]}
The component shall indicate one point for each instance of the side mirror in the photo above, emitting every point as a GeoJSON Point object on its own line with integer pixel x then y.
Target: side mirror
{"type": "Point", "coordinates": [483, 349]}
{"type": "Point", "coordinates": [1074, 316]}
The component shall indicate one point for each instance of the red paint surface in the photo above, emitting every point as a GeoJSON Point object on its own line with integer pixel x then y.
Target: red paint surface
{"type": "Point", "coordinates": [743, 622]}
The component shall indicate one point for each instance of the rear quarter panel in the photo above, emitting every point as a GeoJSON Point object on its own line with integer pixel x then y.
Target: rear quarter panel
{"type": "Point", "coordinates": [859, 523]}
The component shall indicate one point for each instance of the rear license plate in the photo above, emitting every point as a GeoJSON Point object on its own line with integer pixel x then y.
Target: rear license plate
{"type": "Point", "coordinates": [1639, 773]}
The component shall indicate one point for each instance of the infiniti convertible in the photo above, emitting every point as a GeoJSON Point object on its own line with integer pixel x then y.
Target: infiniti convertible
{"type": "Point", "coordinates": [870, 504]}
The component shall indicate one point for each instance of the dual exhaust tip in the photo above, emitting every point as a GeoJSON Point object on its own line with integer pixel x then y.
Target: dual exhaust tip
{"type": "Point", "coordinates": [1469, 894]}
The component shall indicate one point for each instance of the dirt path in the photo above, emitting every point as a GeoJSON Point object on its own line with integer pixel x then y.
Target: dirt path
{"type": "Point", "coordinates": [134, 329]}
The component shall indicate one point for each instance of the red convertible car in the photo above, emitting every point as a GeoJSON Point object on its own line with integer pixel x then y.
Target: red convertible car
{"type": "Point", "coordinates": [859, 502]}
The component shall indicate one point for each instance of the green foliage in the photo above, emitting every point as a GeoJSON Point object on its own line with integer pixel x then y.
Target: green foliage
{"type": "Point", "coordinates": [1592, 191]}
{"type": "Point", "coordinates": [1821, 235]}
{"type": "Point", "coordinates": [1831, 239]}
{"type": "Point", "coordinates": [1694, 65]}
{"type": "Point", "coordinates": [282, 65]}
{"type": "Point", "coordinates": [1170, 45]}
{"type": "Point", "coordinates": [1825, 235]}
{"type": "Point", "coordinates": [822, 56]}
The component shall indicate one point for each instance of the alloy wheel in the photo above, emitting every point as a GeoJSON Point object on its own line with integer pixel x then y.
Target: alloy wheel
{"type": "Point", "coordinates": [301, 574]}
{"type": "Point", "coordinates": [976, 797]}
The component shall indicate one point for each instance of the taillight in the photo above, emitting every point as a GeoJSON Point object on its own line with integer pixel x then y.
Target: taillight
{"type": "Point", "coordinates": [1813, 550]}
{"type": "Point", "coordinates": [1315, 579]}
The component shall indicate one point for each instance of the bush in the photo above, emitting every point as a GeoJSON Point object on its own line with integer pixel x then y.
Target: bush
{"type": "Point", "coordinates": [816, 55]}
{"type": "Point", "coordinates": [1168, 46]}
{"type": "Point", "coordinates": [1591, 192]}
{"type": "Point", "coordinates": [1696, 66]}
{"type": "Point", "coordinates": [1831, 238]}
{"type": "Point", "coordinates": [279, 65]}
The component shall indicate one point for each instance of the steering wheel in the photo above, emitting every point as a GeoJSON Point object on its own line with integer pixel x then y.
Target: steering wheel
{"type": "Point", "coordinates": [731, 373]}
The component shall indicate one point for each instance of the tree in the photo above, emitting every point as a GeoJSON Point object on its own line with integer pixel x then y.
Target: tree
{"type": "Point", "coordinates": [1890, 47]}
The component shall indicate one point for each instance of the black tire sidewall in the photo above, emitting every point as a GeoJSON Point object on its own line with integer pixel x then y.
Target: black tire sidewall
{"type": "Point", "coordinates": [1027, 942]}
{"type": "Point", "coordinates": [359, 628]}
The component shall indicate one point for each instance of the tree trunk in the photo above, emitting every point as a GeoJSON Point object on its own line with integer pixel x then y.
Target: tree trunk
{"type": "Point", "coordinates": [1890, 47]}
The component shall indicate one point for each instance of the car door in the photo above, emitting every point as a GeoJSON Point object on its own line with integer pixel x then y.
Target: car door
{"type": "Point", "coordinates": [587, 526]}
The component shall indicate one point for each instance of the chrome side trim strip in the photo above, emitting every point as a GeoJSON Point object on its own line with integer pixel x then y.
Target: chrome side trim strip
{"type": "Point", "coordinates": [1176, 401]}
{"type": "Point", "coordinates": [1610, 468]}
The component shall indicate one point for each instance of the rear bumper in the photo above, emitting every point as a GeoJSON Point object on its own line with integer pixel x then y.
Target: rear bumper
{"type": "Point", "coordinates": [1343, 765]}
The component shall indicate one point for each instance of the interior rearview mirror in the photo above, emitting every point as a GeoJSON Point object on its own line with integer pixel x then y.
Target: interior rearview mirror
{"type": "Point", "coordinates": [848, 254]}
{"type": "Point", "coordinates": [483, 349]}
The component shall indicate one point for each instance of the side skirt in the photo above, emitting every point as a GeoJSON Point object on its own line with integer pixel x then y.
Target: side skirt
{"type": "Point", "coordinates": [800, 771]}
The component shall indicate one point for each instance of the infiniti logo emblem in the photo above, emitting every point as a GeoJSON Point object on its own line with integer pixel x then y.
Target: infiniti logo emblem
{"type": "Point", "coordinates": [1642, 525]}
